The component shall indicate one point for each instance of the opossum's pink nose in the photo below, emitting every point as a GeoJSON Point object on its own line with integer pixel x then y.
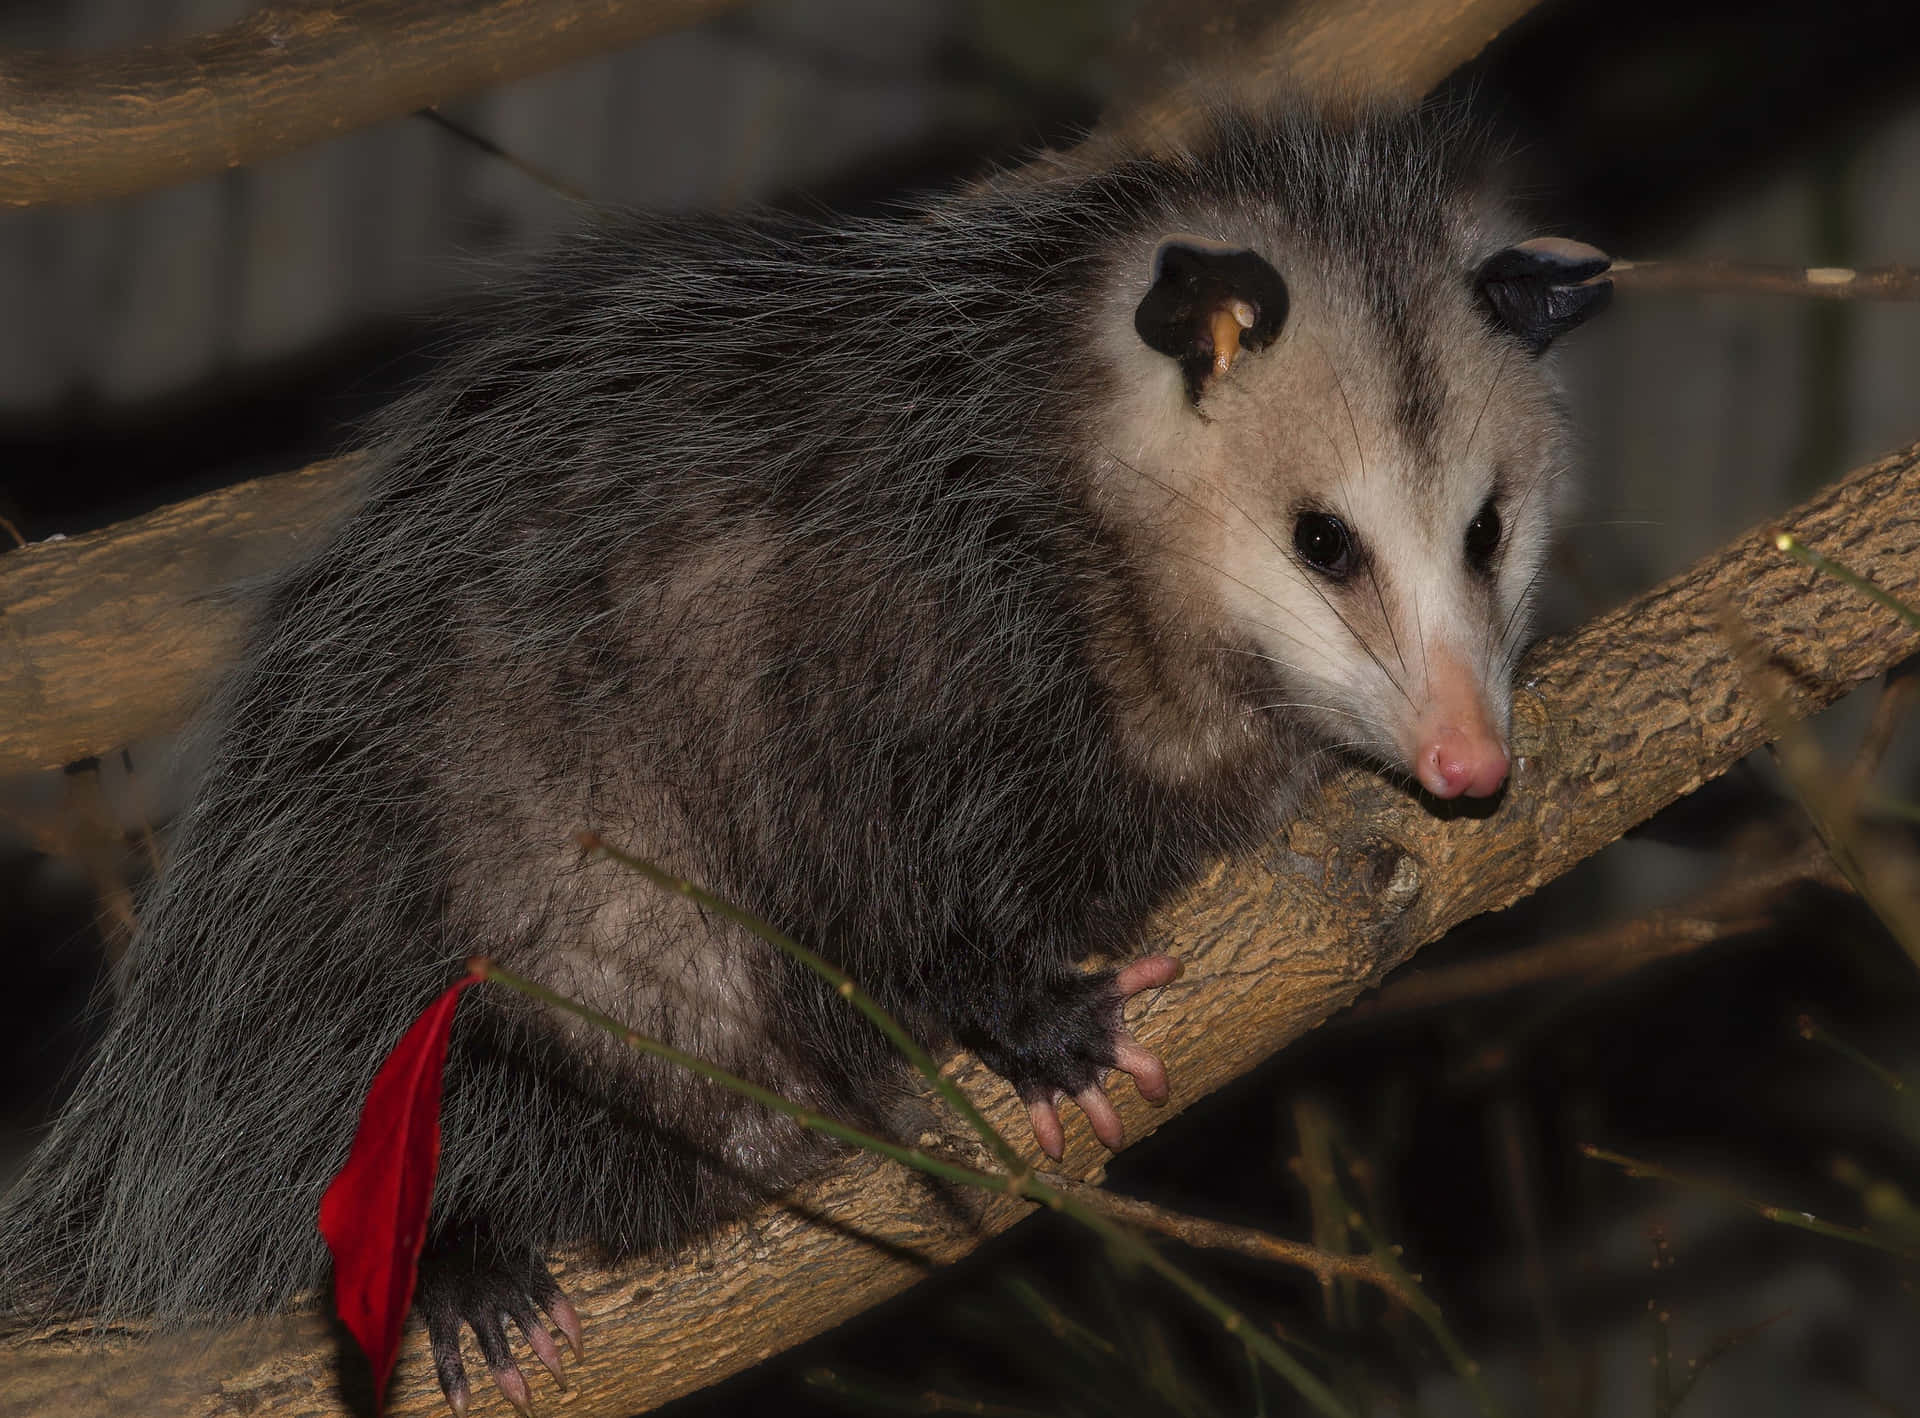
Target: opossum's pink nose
{"type": "Point", "coordinates": [1455, 750]}
{"type": "Point", "coordinates": [1462, 762]}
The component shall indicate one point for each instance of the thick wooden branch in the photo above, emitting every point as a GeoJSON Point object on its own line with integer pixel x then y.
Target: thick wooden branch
{"type": "Point", "coordinates": [114, 636]}
{"type": "Point", "coordinates": [1334, 50]}
{"type": "Point", "coordinates": [1611, 724]}
{"type": "Point", "coordinates": [78, 127]}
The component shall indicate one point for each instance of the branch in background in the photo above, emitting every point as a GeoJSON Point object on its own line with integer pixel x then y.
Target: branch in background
{"type": "Point", "coordinates": [1332, 51]}
{"type": "Point", "coordinates": [113, 637]}
{"type": "Point", "coordinates": [1327, 1266]}
{"type": "Point", "coordinates": [1740, 905]}
{"type": "Point", "coordinates": [82, 127]}
{"type": "Point", "coordinates": [1818, 282]}
{"type": "Point", "coordinates": [532, 171]}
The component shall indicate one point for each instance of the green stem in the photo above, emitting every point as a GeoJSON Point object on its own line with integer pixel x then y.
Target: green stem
{"type": "Point", "coordinates": [1807, 556]}
{"type": "Point", "coordinates": [1429, 1314]}
{"type": "Point", "coordinates": [1135, 1248]}
{"type": "Point", "coordinates": [1813, 1033]}
{"type": "Point", "coordinates": [486, 969]}
{"type": "Point", "coordinates": [843, 986]}
{"type": "Point", "coordinates": [1786, 1216]}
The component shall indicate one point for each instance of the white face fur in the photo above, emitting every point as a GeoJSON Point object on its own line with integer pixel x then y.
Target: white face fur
{"type": "Point", "coordinates": [1400, 644]}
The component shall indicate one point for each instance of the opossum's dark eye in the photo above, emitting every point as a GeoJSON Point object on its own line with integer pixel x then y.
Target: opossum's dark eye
{"type": "Point", "coordinates": [1323, 543]}
{"type": "Point", "coordinates": [1483, 536]}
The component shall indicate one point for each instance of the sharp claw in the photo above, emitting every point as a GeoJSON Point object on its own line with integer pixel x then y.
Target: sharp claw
{"type": "Point", "coordinates": [543, 1345]}
{"type": "Point", "coordinates": [1098, 1107]}
{"type": "Point", "coordinates": [567, 1318]}
{"type": "Point", "coordinates": [513, 1384]}
{"type": "Point", "coordinates": [1045, 1118]}
{"type": "Point", "coordinates": [450, 1370]}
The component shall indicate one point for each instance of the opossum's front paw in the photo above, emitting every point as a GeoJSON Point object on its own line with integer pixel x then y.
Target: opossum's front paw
{"type": "Point", "coordinates": [466, 1285]}
{"type": "Point", "coordinates": [1089, 1038]}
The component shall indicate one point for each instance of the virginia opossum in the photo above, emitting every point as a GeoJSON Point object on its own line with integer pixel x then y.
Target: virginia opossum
{"type": "Point", "coordinates": [947, 588]}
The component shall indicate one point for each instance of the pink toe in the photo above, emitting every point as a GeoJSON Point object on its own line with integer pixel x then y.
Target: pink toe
{"type": "Point", "coordinates": [1148, 973]}
{"type": "Point", "coordinates": [1046, 1127]}
{"type": "Point", "coordinates": [1148, 1073]}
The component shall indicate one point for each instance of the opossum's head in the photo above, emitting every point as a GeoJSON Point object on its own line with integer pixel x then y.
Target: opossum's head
{"type": "Point", "coordinates": [1349, 455]}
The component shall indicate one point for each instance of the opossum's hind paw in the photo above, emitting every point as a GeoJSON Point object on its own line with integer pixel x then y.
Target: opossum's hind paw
{"type": "Point", "coordinates": [461, 1289]}
{"type": "Point", "coordinates": [1105, 1043]}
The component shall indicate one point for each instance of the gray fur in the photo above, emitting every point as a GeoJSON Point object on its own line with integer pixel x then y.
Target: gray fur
{"type": "Point", "coordinates": [843, 567]}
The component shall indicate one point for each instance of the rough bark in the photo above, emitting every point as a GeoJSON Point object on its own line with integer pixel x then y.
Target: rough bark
{"type": "Point", "coordinates": [79, 127]}
{"type": "Point", "coordinates": [1612, 723]}
{"type": "Point", "coordinates": [1335, 50]}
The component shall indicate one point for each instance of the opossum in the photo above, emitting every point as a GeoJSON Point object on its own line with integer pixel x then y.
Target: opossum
{"type": "Point", "coordinates": [946, 587]}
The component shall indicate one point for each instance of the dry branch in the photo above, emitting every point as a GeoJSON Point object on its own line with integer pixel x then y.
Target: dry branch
{"type": "Point", "coordinates": [1743, 903]}
{"type": "Point", "coordinates": [78, 127]}
{"type": "Point", "coordinates": [1734, 277]}
{"type": "Point", "coordinates": [112, 637]}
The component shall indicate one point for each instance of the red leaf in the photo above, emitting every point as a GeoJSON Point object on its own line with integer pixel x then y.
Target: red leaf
{"type": "Point", "coordinates": [374, 1213]}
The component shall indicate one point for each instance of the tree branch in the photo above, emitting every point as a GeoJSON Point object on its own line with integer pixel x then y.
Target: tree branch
{"type": "Point", "coordinates": [113, 637]}
{"type": "Point", "coordinates": [1335, 51]}
{"type": "Point", "coordinates": [78, 127]}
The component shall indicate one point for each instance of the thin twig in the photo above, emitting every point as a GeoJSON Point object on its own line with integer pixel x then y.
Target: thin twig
{"type": "Point", "coordinates": [558, 185]}
{"type": "Point", "coordinates": [1243, 1240]}
{"type": "Point", "coordinates": [1717, 1349]}
{"type": "Point", "coordinates": [1785, 1215]}
{"type": "Point", "coordinates": [1738, 906]}
{"type": "Point", "coordinates": [1319, 1143]}
{"type": "Point", "coordinates": [1816, 282]}
{"type": "Point", "coordinates": [1806, 770]}
{"type": "Point", "coordinates": [1889, 716]}
{"type": "Point", "coordinates": [1810, 1030]}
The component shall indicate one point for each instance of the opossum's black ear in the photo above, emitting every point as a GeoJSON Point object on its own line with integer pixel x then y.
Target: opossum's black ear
{"type": "Point", "coordinates": [1206, 304]}
{"type": "Point", "coordinates": [1542, 288]}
